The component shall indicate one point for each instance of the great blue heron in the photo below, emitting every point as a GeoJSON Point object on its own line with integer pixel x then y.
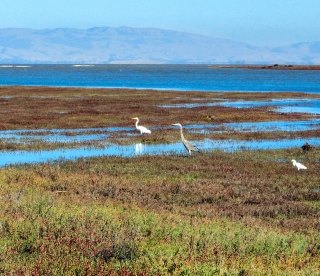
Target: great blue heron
{"type": "Point", "coordinates": [298, 165]}
{"type": "Point", "coordinates": [189, 147]}
{"type": "Point", "coordinates": [142, 129]}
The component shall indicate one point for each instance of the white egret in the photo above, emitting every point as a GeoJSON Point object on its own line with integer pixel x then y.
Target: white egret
{"type": "Point", "coordinates": [142, 129]}
{"type": "Point", "coordinates": [298, 165]}
{"type": "Point", "coordinates": [189, 147]}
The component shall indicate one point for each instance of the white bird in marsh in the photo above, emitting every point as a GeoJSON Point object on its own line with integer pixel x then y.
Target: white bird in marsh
{"type": "Point", "coordinates": [298, 165]}
{"type": "Point", "coordinates": [142, 129]}
{"type": "Point", "coordinates": [189, 147]}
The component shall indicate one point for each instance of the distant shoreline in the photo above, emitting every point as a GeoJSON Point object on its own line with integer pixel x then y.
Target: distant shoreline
{"type": "Point", "coordinates": [270, 67]}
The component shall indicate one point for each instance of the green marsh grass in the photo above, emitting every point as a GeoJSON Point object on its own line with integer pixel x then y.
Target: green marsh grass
{"type": "Point", "coordinates": [245, 213]}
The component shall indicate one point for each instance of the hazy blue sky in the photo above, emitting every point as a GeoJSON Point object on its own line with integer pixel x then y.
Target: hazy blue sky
{"type": "Point", "coordinates": [259, 22]}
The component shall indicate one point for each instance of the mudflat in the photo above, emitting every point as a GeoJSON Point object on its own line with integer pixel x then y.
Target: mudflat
{"type": "Point", "coordinates": [44, 107]}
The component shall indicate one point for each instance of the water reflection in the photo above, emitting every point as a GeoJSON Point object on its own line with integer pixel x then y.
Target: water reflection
{"type": "Point", "coordinates": [138, 149]}
{"type": "Point", "coordinates": [18, 157]}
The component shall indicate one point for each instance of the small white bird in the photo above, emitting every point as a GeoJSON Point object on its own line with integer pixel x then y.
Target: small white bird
{"type": "Point", "coordinates": [142, 129]}
{"type": "Point", "coordinates": [298, 165]}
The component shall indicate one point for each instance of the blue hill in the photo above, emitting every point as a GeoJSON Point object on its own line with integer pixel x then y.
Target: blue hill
{"type": "Point", "coordinates": [140, 45]}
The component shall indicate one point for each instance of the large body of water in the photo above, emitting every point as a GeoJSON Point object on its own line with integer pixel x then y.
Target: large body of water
{"type": "Point", "coordinates": [177, 77]}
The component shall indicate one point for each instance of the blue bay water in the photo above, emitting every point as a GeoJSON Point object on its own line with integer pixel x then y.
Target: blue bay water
{"type": "Point", "coordinates": [176, 77]}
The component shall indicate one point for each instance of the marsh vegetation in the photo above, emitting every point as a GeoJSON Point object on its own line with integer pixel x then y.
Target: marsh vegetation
{"type": "Point", "coordinates": [239, 213]}
{"type": "Point", "coordinates": [212, 213]}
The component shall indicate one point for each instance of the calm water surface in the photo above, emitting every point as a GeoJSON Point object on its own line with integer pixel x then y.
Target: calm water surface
{"type": "Point", "coordinates": [29, 157]}
{"type": "Point", "coordinates": [178, 77]}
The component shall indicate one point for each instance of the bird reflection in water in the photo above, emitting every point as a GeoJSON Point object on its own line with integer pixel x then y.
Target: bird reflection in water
{"type": "Point", "coordinates": [138, 149]}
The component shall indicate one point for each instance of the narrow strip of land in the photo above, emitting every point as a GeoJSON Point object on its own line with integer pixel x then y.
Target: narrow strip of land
{"type": "Point", "coordinates": [273, 67]}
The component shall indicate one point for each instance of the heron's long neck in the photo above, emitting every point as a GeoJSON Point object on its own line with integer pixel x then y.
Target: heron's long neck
{"type": "Point", "coordinates": [181, 133]}
{"type": "Point", "coordinates": [137, 121]}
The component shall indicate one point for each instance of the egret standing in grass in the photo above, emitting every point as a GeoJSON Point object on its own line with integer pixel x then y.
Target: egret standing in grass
{"type": "Point", "coordinates": [142, 129]}
{"type": "Point", "coordinates": [298, 165]}
{"type": "Point", "coordinates": [189, 147]}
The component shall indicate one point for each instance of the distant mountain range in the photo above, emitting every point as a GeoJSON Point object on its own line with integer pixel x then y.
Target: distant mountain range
{"type": "Point", "coordinates": [141, 45]}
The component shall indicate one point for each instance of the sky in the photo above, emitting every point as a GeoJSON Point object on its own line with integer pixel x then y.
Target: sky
{"type": "Point", "coordinates": [256, 22]}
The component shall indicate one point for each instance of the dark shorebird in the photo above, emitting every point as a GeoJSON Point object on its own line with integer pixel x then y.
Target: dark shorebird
{"type": "Point", "coordinates": [306, 147]}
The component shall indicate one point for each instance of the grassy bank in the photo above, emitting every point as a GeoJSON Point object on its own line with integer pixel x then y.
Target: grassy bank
{"type": "Point", "coordinates": [246, 213]}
